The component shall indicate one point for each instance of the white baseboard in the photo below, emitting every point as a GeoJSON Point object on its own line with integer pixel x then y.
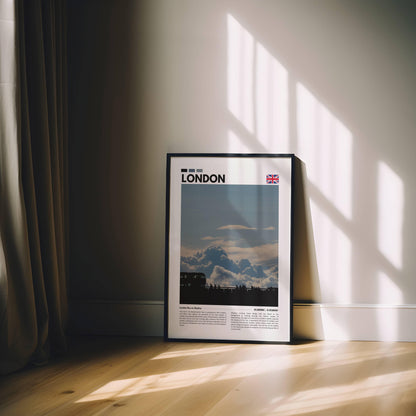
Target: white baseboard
{"type": "Point", "coordinates": [354, 322]}
{"type": "Point", "coordinates": [310, 321]}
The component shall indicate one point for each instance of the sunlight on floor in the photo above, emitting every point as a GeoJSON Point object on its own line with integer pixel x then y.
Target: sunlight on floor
{"type": "Point", "coordinates": [320, 399]}
{"type": "Point", "coordinates": [287, 392]}
{"type": "Point", "coordinates": [352, 357]}
{"type": "Point", "coordinates": [195, 351]}
{"type": "Point", "coordinates": [173, 380]}
{"type": "Point", "coordinates": [186, 378]}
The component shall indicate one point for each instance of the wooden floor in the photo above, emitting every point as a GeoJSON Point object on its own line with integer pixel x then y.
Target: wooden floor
{"type": "Point", "coordinates": [132, 376]}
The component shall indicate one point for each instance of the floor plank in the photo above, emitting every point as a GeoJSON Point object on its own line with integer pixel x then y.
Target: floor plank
{"type": "Point", "coordinates": [146, 376]}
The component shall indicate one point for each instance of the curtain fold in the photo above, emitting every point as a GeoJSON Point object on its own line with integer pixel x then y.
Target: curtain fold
{"type": "Point", "coordinates": [34, 193]}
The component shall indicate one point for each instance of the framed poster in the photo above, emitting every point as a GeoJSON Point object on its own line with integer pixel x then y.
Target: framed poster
{"type": "Point", "coordinates": [228, 247]}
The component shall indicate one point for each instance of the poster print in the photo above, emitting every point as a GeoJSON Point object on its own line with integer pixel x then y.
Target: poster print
{"type": "Point", "coordinates": [228, 271]}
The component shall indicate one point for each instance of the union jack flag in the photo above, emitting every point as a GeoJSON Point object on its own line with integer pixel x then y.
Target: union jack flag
{"type": "Point", "coordinates": [272, 178]}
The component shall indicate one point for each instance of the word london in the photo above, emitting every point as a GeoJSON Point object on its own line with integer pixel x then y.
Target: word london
{"type": "Point", "coordinates": [202, 178]}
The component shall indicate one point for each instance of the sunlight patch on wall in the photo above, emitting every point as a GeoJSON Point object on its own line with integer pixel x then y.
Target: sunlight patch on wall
{"type": "Point", "coordinates": [236, 145]}
{"type": "Point", "coordinates": [389, 292]}
{"type": "Point", "coordinates": [240, 73]}
{"type": "Point", "coordinates": [334, 251]}
{"type": "Point", "coordinates": [325, 145]}
{"type": "Point", "coordinates": [257, 91]}
{"type": "Point", "coordinates": [272, 102]}
{"type": "Point", "coordinates": [258, 98]}
{"type": "Point", "coordinates": [390, 214]}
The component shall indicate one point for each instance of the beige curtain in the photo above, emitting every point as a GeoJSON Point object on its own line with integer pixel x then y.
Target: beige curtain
{"type": "Point", "coordinates": [33, 189]}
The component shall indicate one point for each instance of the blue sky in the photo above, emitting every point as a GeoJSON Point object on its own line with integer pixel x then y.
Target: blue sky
{"type": "Point", "coordinates": [245, 212]}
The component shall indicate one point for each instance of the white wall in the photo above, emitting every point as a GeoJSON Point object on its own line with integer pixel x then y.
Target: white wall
{"type": "Point", "coordinates": [331, 81]}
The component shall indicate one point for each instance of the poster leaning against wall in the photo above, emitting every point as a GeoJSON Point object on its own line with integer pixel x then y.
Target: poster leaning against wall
{"type": "Point", "coordinates": [228, 247]}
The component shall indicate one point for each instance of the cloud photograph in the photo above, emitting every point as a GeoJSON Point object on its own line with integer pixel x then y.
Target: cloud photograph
{"type": "Point", "coordinates": [229, 243]}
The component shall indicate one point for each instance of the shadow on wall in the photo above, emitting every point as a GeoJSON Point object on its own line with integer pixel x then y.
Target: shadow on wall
{"type": "Point", "coordinates": [109, 184]}
{"type": "Point", "coordinates": [271, 110]}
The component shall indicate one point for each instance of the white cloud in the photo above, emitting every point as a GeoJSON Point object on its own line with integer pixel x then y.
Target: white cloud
{"type": "Point", "coordinates": [232, 266]}
{"type": "Point", "coordinates": [244, 228]}
{"type": "Point", "coordinates": [257, 255]}
{"type": "Point", "coordinates": [236, 227]}
{"type": "Point", "coordinates": [223, 277]}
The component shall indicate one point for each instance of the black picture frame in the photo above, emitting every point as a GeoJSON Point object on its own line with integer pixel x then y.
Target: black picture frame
{"type": "Point", "coordinates": [228, 254]}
